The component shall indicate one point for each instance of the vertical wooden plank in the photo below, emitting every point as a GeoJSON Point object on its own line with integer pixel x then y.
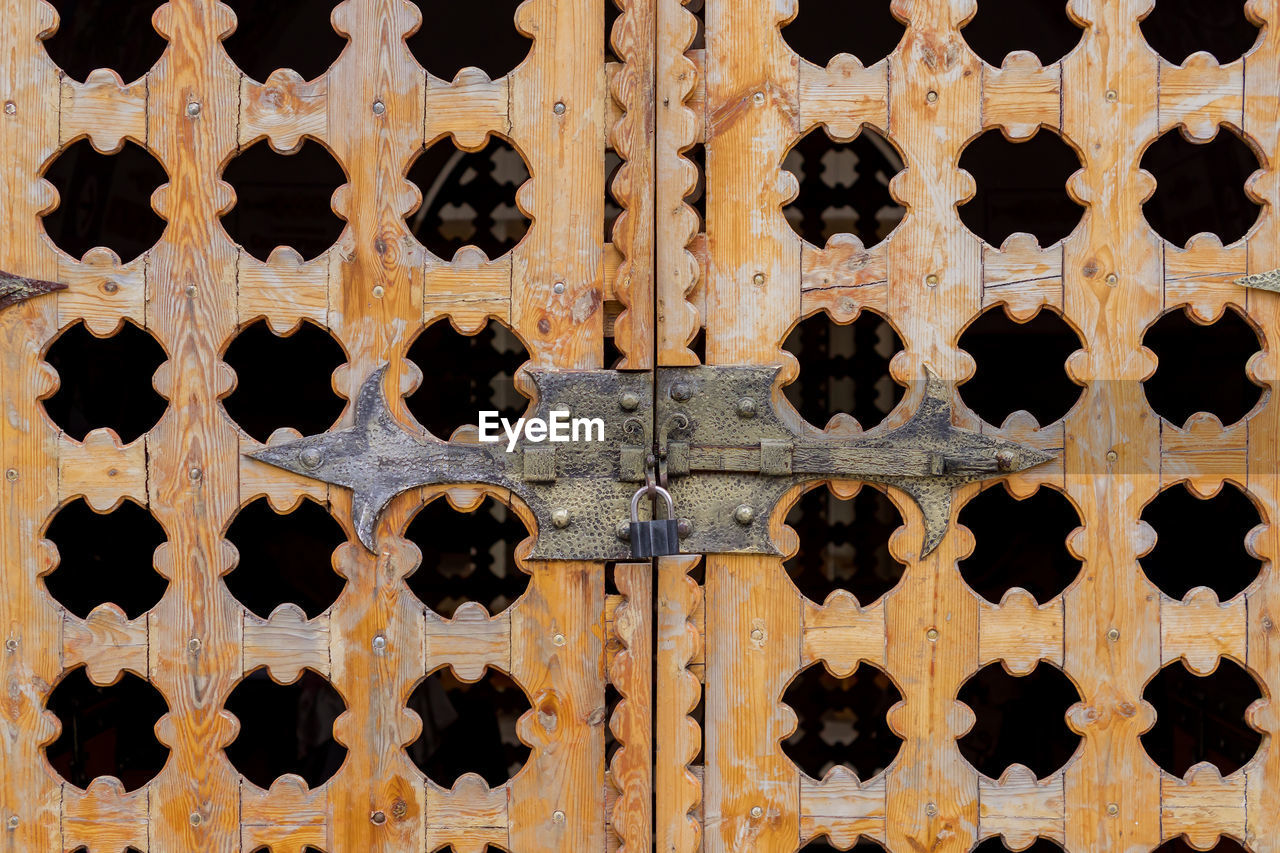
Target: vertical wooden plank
{"type": "Point", "coordinates": [677, 737]}
{"type": "Point", "coordinates": [1112, 445]}
{"type": "Point", "coordinates": [29, 621]}
{"type": "Point", "coordinates": [632, 674]}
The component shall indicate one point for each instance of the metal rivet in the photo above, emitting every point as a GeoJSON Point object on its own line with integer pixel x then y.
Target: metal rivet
{"type": "Point", "coordinates": [11, 474]}
{"type": "Point", "coordinates": [1113, 280]}
{"type": "Point", "coordinates": [195, 473]}
{"type": "Point", "coordinates": [931, 280]}
{"type": "Point", "coordinates": [379, 643]}
{"type": "Point", "coordinates": [311, 458]}
{"type": "Point", "coordinates": [193, 109]}
{"type": "Point", "coordinates": [11, 645]}
{"type": "Point", "coordinates": [746, 408]}
{"type": "Point", "coordinates": [681, 392]}
{"type": "Point", "coordinates": [630, 402]}
{"type": "Point", "coordinates": [757, 634]}
{"type": "Point", "coordinates": [758, 279]}
{"type": "Point", "coordinates": [557, 816]}
{"type": "Point", "coordinates": [190, 290]}
{"type": "Point", "coordinates": [193, 645]}
{"type": "Point", "coordinates": [931, 809]}
{"type": "Point", "coordinates": [379, 108]}
{"type": "Point", "coordinates": [757, 812]}
{"type": "Point", "coordinates": [195, 819]}
{"type": "Point", "coordinates": [560, 518]}
{"type": "Point", "coordinates": [624, 530]}
{"type": "Point", "coordinates": [1113, 809]}
{"type": "Point", "coordinates": [1113, 635]}
{"type": "Point", "coordinates": [378, 291]}
{"type": "Point", "coordinates": [931, 97]}
{"type": "Point", "coordinates": [558, 639]}
{"type": "Point", "coordinates": [744, 514]}
{"type": "Point", "coordinates": [1005, 460]}
{"type": "Point", "coordinates": [12, 823]}
{"type": "Point", "coordinates": [10, 108]}
{"type": "Point", "coordinates": [684, 527]}
{"type": "Point", "coordinates": [758, 97]}
{"type": "Point", "coordinates": [558, 109]}
{"type": "Point", "coordinates": [1112, 456]}
{"type": "Point", "coordinates": [932, 635]}
{"type": "Point", "coordinates": [558, 287]}
{"type": "Point", "coordinates": [1112, 94]}
{"type": "Point", "coordinates": [378, 818]}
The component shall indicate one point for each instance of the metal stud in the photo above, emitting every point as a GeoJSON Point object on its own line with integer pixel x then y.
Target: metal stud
{"type": "Point", "coordinates": [931, 280]}
{"type": "Point", "coordinates": [195, 474]}
{"type": "Point", "coordinates": [1112, 95]}
{"type": "Point", "coordinates": [558, 639]}
{"type": "Point", "coordinates": [931, 809]}
{"type": "Point", "coordinates": [190, 290]}
{"type": "Point", "coordinates": [378, 818]}
{"type": "Point", "coordinates": [379, 108]}
{"type": "Point", "coordinates": [195, 818]}
{"type": "Point", "coordinates": [193, 109]}
{"type": "Point", "coordinates": [681, 392]}
{"type": "Point", "coordinates": [746, 408]}
{"type": "Point", "coordinates": [11, 474]}
{"type": "Point", "coordinates": [931, 635]}
{"type": "Point", "coordinates": [378, 291]}
{"type": "Point", "coordinates": [1112, 456]}
{"type": "Point", "coordinates": [931, 97]}
{"type": "Point", "coordinates": [379, 643]}
{"type": "Point", "coordinates": [744, 514]}
{"type": "Point", "coordinates": [758, 635]}
{"type": "Point", "coordinates": [557, 816]}
{"type": "Point", "coordinates": [684, 527]}
{"type": "Point", "coordinates": [624, 530]}
{"type": "Point", "coordinates": [758, 279]}
{"type": "Point", "coordinates": [558, 287]}
{"type": "Point", "coordinates": [311, 458]}
{"type": "Point", "coordinates": [1113, 809]}
{"type": "Point", "coordinates": [758, 98]}
{"type": "Point", "coordinates": [10, 108]}
{"type": "Point", "coordinates": [193, 645]}
{"type": "Point", "coordinates": [757, 812]}
{"type": "Point", "coordinates": [559, 108]}
{"type": "Point", "coordinates": [630, 402]}
{"type": "Point", "coordinates": [11, 645]}
{"type": "Point", "coordinates": [12, 822]}
{"type": "Point", "coordinates": [1113, 635]}
{"type": "Point", "coordinates": [1113, 280]}
{"type": "Point", "coordinates": [560, 518]}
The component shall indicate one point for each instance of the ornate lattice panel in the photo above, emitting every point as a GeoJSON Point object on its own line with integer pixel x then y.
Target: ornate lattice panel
{"type": "Point", "coordinates": [370, 664]}
{"type": "Point", "coordinates": [1112, 625]}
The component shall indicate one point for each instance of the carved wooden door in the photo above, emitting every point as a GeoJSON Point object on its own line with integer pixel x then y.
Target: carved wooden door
{"type": "Point", "coordinates": [215, 640]}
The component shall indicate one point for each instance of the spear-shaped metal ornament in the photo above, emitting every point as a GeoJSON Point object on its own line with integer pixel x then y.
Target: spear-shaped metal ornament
{"type": "Point", "coordinates": [730, 458]}
{"type": "Point", "coordinates": [1262, 281]}
{"type": "Point", "coordinates": [16, 288]}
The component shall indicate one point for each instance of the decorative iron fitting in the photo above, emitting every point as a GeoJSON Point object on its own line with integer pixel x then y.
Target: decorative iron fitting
{"type": "Point", "coordinates": [16, 288]}
{"type": "Point", "coordinates": [720, 447]}
{"type": "Point", "coordinates": [1269, 280]}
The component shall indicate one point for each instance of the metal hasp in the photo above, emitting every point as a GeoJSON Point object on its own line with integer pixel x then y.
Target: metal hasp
{"type": "Point", "coordinates": [16, 288]}
{"type": "Point", "coordinates": [730, 458]}
{"type": "Point", "coordinates": [727, 456]}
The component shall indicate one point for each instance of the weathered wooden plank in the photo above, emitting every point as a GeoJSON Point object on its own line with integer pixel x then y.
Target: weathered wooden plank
{"type": "Point", "coordinates": [677, 791]}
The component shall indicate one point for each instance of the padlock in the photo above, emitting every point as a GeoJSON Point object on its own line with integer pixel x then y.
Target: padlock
{"type": "Point", "coordinates": [656, 538]}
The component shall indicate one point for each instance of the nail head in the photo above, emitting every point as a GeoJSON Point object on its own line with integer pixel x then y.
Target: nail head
{"type": "Point", "coordinates": [758, 97]}
{"type": "Point", "coordinates": [379, 108]}
{"type": "Point", "coordinates": [684, 527]}
{"type": "Point", "coordinates": [195, 819]}
{"type": "Point", "coordinates": [193, 109]}
{"type": "Point", "coordinates": [931, 809]}
{"type": "Point", "coordinates": [931, 97]}
{"type": "Point", "coordinates": [1112, 94]}
{"type": "Point", "coordinates": [10, 108]}
{"type": "Point", "coordinates": [630, 402]}
{"type": "Point", "coordinates": [379, 643]}
{"type": "Point", "coordinates": [746, 408]}
{"type": "Point", "coordinates": [11, 474]}
{"type": "Point", "coordinates": [1112, 456]}
{"type": "Point", "coordinates": [378, 818]}
{"type": "Point", "coordinates": [12, 823]}
{"type": "Point", "coordinates": [757, 812]}
{"type": "Point", "coordinates": [931, 279]}
{"type": "Point", "coordinates": [559, 108]}
{"type": "Point", "coordinates": [932, 635]}
{"type": "Point", "coordinates": [1113, 280]}
{"type": "Point", "coordinates": [1113, 809]}
{"type": "Point", "coordinates": [193, 645]}
{"type": "Point", "coordinates": [1113, 635]}
{"type": "Point", "coordinates": [11, 644]}
{"type": "Point", "coordinates": [190, 290]}
{"type": "Point", "coordinates": [557, 816]}
{"type": "Point", "coordinates": [560, 518]}
{"type": "Point", "coordinates": [681, 392]}
{"type": "Point", "coordinates": [378, 291]}
{"type": "Point", "coordinates": [624, 530]}
{"type": "Point", "coordinates": [758, 279]}
{"type": "Point", "coordinates": [195, 473]}
{"type": "Point", "coordinates": [757, 634]}
{"type": "Point", "coordinates": [744, 514]}
{"type": "Point", "coordinates": [558, 287]}
{"type": "Point", "coordinates": [558, 639]}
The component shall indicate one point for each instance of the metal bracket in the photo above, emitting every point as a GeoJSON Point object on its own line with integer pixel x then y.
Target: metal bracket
{"type": "Point", "coordinates": [728, 455]}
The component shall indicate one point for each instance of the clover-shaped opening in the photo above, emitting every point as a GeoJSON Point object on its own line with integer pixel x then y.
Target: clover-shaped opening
{"type": "Point", "coordinates": [997, 845]}
{"type": "Point", "coordinates": [283, 381]}
{"type": "Point", "coordinates": [1201, 368]}
{"type": "Point", "coordinates": [294, 34]}
{"type": "Point", "coordinates": [844, 187]}
{"type": "Point", "coordinates": [1019, 543]}
{"type": "Point", "coordinates": [842, 721]}
{"type": "Point", "coordinates": [1175, 29]}
{"type": "Point", "coordinates": [1020, 366]}
{"type": "Point", "coordinates": [80, 44]}
{"type": "Point", "coordinates": [823, 28]}
{"type": "Point", "coordinates": [464, 375]}
{"type": "Point", "coordinates": [454, 36]}
{"type": "Point", "coordinates": [285, 558]}
{"type": "Point", "coordinates": [469, 728]}
{"type": "Point", "coordinates": [1200, 186]}
{"type": "Point", "coordinates": [1020, 719]}
{"type": "Point", "coordinates": [1201, 542]}
{"type": "Point", "coordinates": [107, 731]}
{"type": "Point", "coordinates": [469, 198]}
{"type": "Point", "coordinates": [105, 558]}
{"type": "Point", "coordinates": [286, 728]}
{"type": "Point", "coordinates": [105, 200]}
{"type": "Point", "coordinates": [1202, 718]}
{"type": "Point", "coordinates": [844, 544]}
{"type": "Point", "coordinates": [1021, 187]}
{"type": "Point", "coordinates": [284, 199]}
{"type": "Point", "coordinates": [1180, 845]}
{"type": "Point", "coordinates": [1001, 27]}
{"type": "Point", "coordinates": [844, 369]}
{"type": "Point", "coordinates": [467, 556]}
{"type": "Point", "coordinates": [105, 382]}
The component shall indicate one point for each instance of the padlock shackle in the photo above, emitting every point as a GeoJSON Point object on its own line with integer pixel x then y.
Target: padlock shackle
{"type": "Point", "coordinates": [663, 493]}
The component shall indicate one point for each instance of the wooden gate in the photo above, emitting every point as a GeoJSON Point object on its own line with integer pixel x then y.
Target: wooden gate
{"type": "Point", "coordinates": [662, 705]}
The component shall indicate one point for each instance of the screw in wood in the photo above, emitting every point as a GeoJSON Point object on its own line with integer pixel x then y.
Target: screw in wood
{"type": "Point", "coordinates": [560, 518]}
{"type": "Point", "coordinates": [758, 98]}
{"type": "Point", "coordinates": [758, 635]}
{"type": "Point", "coordinates": [559, 108]}
{"type": "Point", "coordinates": [629, 402]}
{"type": "Point", "coordinates": [195, 474]}
{"type": "Point", "coordinates": [1113, 280]}
{"type": "Point", "coordinates": [11, 645]}
{"type": "Point", "coordinates": [190, 290]}
{"type": "Point", "coordinates": [12, 823]}
{"type": "Point", "coordinates": [744, 514]}
{"type": "Point", "coordinates": [746, 408]}
{"type": "Point", "coordinates": [558, 639]}
{"type": "Point", "coordinates": [195, 819]}
{"type": "Point", "coordinates": [10, 108]}
{"type": "Point", "coordinates": [379, 643]}
{"type": "Point", "coordinates": [557, 816]}
{"type": "Point", "coordinates": [931, 97]}
{"type": "Point", "coordinates": [558, 287]}
{"type": "Point", "coordinates": [1113, 635]}
{"type": "Point", "coordinates": [193, 109]}
{"type": "Point", "coordinates": [378, 291]}
{"type": "Point", "coordinates": [758, 279]}
{"type": "Point", "coordinates": [193, 645]}
{"type": "Point", "coordinates": [378, 818]}
{"type": "Point", "coordinates": [1113, 809]}
{"type": "Point", "coordinates": [757, 812]}
{"type": "Point", "coordinates": [931, 809]}
{"type": "Point", "coordinates": [11, 474]}
{"type": "Point", "coordinates": [379, 108]}
{"type": "Point", "coordinates": [1112, 456]}
{"type": "Point", "coordinates": [1112, 95]}
{"type": "Point", "coordinates": [932, 635]}
{"type": "Point", "coordinates": [931, 280]}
